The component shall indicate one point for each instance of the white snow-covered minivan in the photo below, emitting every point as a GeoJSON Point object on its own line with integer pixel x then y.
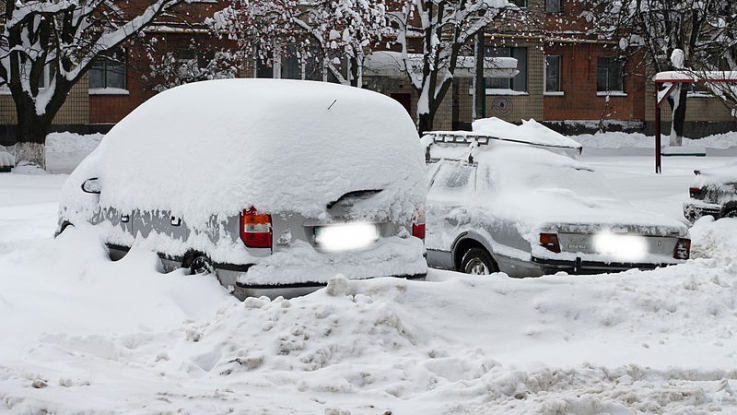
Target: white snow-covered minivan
{"type": "Point", "coordinates": [272, 185]}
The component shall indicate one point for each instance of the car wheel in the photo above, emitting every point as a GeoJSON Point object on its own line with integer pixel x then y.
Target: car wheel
{"type": "Point", "coordinates": [197, 263]}
{"type": "Point", "coordinates": [730, 214]}
{"type": "Point", "coordinates": [476, 261]}
{"type": "Point", "coordinates": [63, 227]}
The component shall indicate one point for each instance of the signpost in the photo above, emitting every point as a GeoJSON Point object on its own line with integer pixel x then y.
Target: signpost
{"type": "Point", "coordinates": [669, 81]}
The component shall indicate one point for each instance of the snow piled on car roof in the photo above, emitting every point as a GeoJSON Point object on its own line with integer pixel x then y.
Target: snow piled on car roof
{"type": "Point", "coordinates": [529, 131]}
{"type": "Point", "coordinates": [277, 145]}
{"type": "Point", "coordinates": [717, 175]}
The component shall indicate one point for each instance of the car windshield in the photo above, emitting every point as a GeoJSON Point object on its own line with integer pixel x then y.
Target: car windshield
{"type": "Point", "coordinates": [453, 176]}
{"type": "Point", "coordinates": [523, 169]}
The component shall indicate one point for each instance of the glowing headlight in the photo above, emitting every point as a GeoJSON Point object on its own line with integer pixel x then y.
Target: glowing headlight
{"type": "Point", "coordinates": [629, 248]}
{"type": "Point", "coordinates": [346, 236]}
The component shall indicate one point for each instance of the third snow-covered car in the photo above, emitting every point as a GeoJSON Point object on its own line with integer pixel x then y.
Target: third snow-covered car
{"type": "Point", "coordinates": [526, 211]}
{"type": "Point", "coordinates": [713, 193]}
{"type": "Point", "coordinates": [270, 184]}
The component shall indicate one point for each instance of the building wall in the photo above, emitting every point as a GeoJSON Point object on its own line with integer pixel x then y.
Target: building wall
{"type": "Point", "coordinates": [579, 99]}
{"type": "Point", "coordinates": [552, 34]}
{"type": "Point", "coordinates": [74, 110]}
{"type": "Point", "coordinates": [514, 107]}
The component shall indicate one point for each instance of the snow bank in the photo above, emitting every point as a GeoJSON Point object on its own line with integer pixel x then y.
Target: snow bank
{"type": "Point", "coordinates": [636, 342]}
{"type": "Point", "coordinates": [637, 140]}
{"type": "Point", "coordinates": [6, 160]}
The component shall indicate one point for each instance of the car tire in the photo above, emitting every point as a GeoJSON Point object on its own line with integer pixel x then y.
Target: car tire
{"type": "Point", "coordinates": [476, 261]}
{"type": "Point", "coordinates": [63, 227]}
{"type": "Point", "coordinates": [197, 263]}
{"type": "Point", "coordinates": [732, 213]}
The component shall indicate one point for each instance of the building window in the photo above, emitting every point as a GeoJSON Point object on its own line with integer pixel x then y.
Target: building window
{"type": "Point", "coordinates": [265, 67]}
{"type": "Point", "coordinates": [519, 82]}
{"type": "Point", "coordinates": [519, 3]}
{"type": "Point", "coordinates": [291, 63]}
{"type": "Point", "coordinates": [49, 73]}
{"type": "Point", "coordinates": [553, 6]}
{"type": "Point", "coordinates": [108, 72]}
{"type": "Point", "coordinates": [552, 73]}
{"type": "Point", "coordinates": [609, 75]}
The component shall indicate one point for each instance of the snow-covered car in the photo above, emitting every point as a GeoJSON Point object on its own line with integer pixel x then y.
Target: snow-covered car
{"type": "Point", "coordinates": [270, 184]}
{"type": "Point", "coordinates": [712, 193]}
{"type": "Point", "coordinates": [526, 211]}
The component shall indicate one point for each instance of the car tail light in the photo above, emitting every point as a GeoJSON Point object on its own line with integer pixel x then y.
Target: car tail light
{"type": "Point", "coordinates": [550, 242]}
{"type": "Point", "coordinates": [256, 229]}
{"type": "Point", "coordinates": [683, 249]}
{"type": "Point", "coordinates": [418, 224]}
{"type": "Point", "coordinates": [694, 192]}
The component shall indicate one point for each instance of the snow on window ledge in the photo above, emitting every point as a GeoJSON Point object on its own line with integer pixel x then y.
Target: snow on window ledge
{"type": "Point", "coordinates": [611, 94]}
{"type": "Point", "coordinates": [700, 94]}
{"type": "Point", "coordinates": [495, 91]}
{"type": "Point", "coordinates": [554, 93]}
{"type": "Point", "coordinates": [4, 90]}
{"type": "Point", "coordinates": [108, 91]}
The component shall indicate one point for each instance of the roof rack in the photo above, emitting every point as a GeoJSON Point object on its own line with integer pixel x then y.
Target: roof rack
{"type": "Point", "coordinates": [469, 138]}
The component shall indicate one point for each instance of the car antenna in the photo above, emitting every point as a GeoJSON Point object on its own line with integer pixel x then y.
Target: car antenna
{"type": "Point", "coordinates": [331, 105]}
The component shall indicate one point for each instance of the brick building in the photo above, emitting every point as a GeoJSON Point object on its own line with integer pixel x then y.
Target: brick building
{"type": "Point", "coordinates": [566, 79]}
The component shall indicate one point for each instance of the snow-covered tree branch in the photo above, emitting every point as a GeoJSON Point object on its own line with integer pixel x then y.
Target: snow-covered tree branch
{"type": "Point", "coordinates": [47, 46]}
{"type": "Point", "coordinates": [443, 28]}
{"type": "Point", "coordinates": [325, 31]}
{"type": "Point", "coordinates": [698, 31]}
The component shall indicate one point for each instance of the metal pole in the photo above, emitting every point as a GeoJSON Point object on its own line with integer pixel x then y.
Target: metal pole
{"type": "Point", "coordinates": [657, 131]}
{"type": "Point", "coordinates": [480, 90]}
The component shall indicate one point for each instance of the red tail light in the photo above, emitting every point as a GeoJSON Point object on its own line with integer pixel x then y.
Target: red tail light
{"type": "Point", "coordinates": [256, 229]}
{"type": "Point", "coordinates": [683, 249]}
{"type": "Point", "coordinates": [418, 224]}
{"type": "Point", "coordinates": [694, 192]}
{"type": "Point", "coordinates": [550, 242]}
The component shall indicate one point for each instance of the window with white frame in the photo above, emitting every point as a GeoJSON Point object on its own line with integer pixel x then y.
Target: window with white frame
{"type": "Point", "coordinates": [609, 74]}
{"type": "Point", "coordinates": [515, 84]}
{"type": "Point", "coordinates": [553, 6]}
{"type": "Point", "coordinates": [108, 72]}
{"type": "Point", "coordinates": [552, 74]}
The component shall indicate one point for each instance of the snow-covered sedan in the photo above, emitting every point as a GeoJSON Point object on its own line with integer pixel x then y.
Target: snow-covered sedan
{"type": "Point", "coordinates": [713, 193]}
{"type": "Point", "coordinates": [526, 211]}
{"type": "Point", "coordinates": [272, 185]}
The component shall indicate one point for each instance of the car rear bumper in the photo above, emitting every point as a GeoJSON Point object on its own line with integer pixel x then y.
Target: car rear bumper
{"type": "Point", "coordinates": [693, 211]}
{"type": "Point", "coordinates": [581, 267]}
{"type": "Point", "coordinates": [276, 279]}
{"type": "Point", "coordinates": [241, 291]}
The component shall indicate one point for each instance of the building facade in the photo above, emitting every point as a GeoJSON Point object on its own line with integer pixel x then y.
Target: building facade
{"type": "Point", "coordinates": [566, 79]}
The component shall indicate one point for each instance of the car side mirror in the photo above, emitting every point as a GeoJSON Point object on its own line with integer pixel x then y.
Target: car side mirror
{"type": "Point", "coordinates": [92, 186]}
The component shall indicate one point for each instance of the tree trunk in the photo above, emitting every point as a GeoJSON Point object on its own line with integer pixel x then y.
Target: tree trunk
{"type": "Point", "coordinates": [32, 131]}
{"type": "Point", "coordinates": [30, 154]}
{"type": "Point", "coordinates": [678, 111]}
{"type": "Point", "coordinates": [425, 123]}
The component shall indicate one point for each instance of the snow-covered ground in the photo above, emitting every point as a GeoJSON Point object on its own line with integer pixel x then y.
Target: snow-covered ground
{"type": "Point", "coordinates": [81, 334]}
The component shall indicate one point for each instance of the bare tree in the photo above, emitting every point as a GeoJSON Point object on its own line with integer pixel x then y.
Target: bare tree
{"type": "Point", "coordinates": [689, 28]}
{"type": "Point", "coordinates": [323, 31]}
{"type": "Point", "coordinates": [46, 47]}
{"type": "Point", "coordinates": [444, 28]}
